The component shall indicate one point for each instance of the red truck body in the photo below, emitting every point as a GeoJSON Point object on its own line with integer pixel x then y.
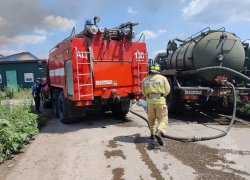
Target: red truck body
{"type": "Point", "coordinates": [94, 70]}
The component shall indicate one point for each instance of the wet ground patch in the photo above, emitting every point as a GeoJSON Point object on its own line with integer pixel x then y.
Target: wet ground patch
{"type": "Point", "coordinates": [114, 153]}
{"type": "Point", "coordinates": [118, 173]}
{"type": "Point", "coordinates": [207, 162]}
{"type": "Point", "coordinates": [113, 144]}
{"type": "Point", "coordinates": [141, 146]}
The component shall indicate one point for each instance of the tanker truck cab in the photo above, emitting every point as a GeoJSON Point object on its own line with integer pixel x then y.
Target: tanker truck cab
{"type": "Point", "coordinates": [97, 68]}
{"type": "Point", "coordinates": [202, 69]}
{"type": "Point", "coordinates": [161, 58]}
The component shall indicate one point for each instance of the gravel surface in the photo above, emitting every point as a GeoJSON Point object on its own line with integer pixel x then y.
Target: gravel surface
{"type": "Point", "coordinates": [123, 150]}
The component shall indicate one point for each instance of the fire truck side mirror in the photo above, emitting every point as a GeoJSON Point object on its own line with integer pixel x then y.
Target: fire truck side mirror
{"type": "Point", "coordinates": [40, 65]}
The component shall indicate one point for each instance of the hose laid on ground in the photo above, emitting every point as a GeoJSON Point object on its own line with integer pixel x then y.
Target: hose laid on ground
{"type": "Point", "coordinates": [197, 138]}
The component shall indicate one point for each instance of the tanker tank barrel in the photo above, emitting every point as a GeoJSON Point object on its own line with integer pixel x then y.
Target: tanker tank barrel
{"type": "Point", "coordinates": [205, 49]}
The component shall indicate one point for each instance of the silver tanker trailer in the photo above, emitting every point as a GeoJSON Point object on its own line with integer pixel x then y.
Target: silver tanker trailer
{"type": "Point", "coordinates": [202, 69]}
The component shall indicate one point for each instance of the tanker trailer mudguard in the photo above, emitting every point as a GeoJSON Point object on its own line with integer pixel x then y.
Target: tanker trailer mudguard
{"type": "Point", "coordinates": [199, 138]}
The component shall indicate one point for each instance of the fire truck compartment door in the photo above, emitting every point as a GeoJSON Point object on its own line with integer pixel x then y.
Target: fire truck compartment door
{"type": "Point", "coordinates": [69, 78]}
{"type": "Point", "coordinates": [112, 74]}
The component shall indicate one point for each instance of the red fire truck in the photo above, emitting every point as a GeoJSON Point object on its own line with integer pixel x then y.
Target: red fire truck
{"type": "Point", "coordinates": [97, 68]}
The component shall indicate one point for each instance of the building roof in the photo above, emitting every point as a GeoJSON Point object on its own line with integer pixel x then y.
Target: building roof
{"type": "Point", "coordinates": [24, 56]}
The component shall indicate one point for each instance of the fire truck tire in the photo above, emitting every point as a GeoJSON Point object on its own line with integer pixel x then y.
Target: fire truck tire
{"type": "Point", "coordinates": [44, 103]}
{"type": "Point", "coordinates": [173, 100]}
{"type": "Point", "coordinates": [117, 110]}
{"type": "Point", "coordinates": [223, 108]}
{"type": "Point", "coordinates": [105, 108]}
{"type": "Point", "coordinates": [63, 111]}
{"type": "Point", "coordinates": [55, 103]}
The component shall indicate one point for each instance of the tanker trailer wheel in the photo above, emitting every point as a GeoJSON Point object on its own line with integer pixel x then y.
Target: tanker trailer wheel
{"type": "Point", "coordinates": [225, 105]}
{"type": "Point", "coordinates": [174, 102]}
{"type": "Point", "coordinates": [55, 103]}
{"type": "Point", "coordinates": [63, 111]}
{"type": "Point", "coordinates": [118, 111]}
{"type": "Point", "coordinates": [44, 103]}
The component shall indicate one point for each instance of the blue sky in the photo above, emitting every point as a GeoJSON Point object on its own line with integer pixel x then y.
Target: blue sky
{"type": "Point", "coordinates": [37, 26]}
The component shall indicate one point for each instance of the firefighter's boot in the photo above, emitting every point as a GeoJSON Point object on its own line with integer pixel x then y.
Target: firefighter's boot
{"type": "Point", "coordinates": [152, 137]}
{"type": "Point", "coordinates": [158, 137]}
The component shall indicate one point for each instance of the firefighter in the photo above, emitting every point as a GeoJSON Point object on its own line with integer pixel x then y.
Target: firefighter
{"type": "Point", "coordinates": [36, 93]}
{"type": "Point", "coordinates": [155, 87]}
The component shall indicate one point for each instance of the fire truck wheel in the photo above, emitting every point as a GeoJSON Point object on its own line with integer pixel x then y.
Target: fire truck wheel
{"type": "Point", "coordinates": [62, 107]}
{"type": "Point", "coordinates": [55, 103]}
{"type": "Point", "coordinates": [44, 103]}
{"type": "Point", "coordinates": [225, 106]}
{"type": "Point", "coordinates": [173, 100]}
{"type": "Point", "coordinates": [105, 108]}
{"type": "Point", "coordinates": [117, 110]}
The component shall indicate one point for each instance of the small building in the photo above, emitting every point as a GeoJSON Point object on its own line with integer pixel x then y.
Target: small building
{"type": "Point", "coordinates": [20, 70]}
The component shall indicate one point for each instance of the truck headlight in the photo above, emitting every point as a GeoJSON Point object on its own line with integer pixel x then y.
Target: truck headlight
{"type": "Point", "coordinates": [133, 33]}
{"type": "Point", "coordinates": [125, 32]}
{"type": "Point", "coordinates": [101, 30]}
{"type": "Point", "coordinates": [93, 29]}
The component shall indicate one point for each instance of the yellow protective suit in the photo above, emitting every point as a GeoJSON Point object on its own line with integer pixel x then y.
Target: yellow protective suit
{"type": "Point", "coordinates": [156, 107]}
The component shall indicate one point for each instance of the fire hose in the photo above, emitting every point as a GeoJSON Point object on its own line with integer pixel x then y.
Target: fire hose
{"type": "Point", "coordinates": [199, 138]}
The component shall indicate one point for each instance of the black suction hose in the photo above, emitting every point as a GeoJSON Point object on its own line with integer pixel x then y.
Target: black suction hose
{"type": "Point", "coordinates": [218, 68]}
{"type": "Point", "coordinates": [197, 138]}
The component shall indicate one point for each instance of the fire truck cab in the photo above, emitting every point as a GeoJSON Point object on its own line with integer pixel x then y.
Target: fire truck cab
{"type": "Point", "coordinates": [97, 68]}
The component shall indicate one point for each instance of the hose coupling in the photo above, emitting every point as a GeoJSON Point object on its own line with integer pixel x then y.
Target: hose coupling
{"type": "Point", "coordinates": [221, 80]}
{"type": "Point", "coordinates": [197, 138]}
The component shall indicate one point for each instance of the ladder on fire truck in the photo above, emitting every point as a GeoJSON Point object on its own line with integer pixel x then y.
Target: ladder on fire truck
{"type": "Point", "coordinates": [84, 74]}
{"type": "Point", "coordinates": [139, 65]}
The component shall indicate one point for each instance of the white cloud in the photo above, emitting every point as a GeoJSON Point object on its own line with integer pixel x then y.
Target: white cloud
{"type": "Point", "coordinates": [176, 35]}
{"type": "Point", "coordinates": [3, 22]}
{"type": "Point", "coordinates": [7, 52]}
{"type": "Point", "coordinates": [40, 31]}
{"type": "Point", "coordinates": [182, 1]}
{"type": "Point", "coordinates": [131, 11]}
{"type": "Point", "coordinates": [31, 39]}
{"type": "Point", "coordinates": [62, 24]}
{"type": "Point", "coordinates": [215, 12]}
{"type": "Point", "coordinates": [150, 34]}
{"type": "Point", "coordinates": [161, 31]}
{"type": "Point", "coordinates": [182, 34]}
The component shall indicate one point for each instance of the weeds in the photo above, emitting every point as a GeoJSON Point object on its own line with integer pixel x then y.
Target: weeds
{"type": "Point", "coordinates": [18, 123]}
{"type": "Point", "coordinates": [23, 93]}
{"type": "Point", "coordinates": [243, 108]}
{"type": "Point", "coordinates": [1, 96]}
{"type": "Point", "coordinates": [8, 91]}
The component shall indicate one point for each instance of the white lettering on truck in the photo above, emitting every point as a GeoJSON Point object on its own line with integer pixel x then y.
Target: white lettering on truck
{"type": "Point", "coordinates": [103, 82]}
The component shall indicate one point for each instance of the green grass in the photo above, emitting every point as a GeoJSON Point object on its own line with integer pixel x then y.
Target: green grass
{"type": "Point", "coordinates": [23, 93]}
{"type": "Point", "coordinates": [18, 124]}
{"type": "Point", "coordinates": [243, 108]}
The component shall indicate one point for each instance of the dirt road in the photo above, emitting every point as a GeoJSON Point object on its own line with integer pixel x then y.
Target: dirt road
{"type": "Point", "coordinates": [102, 147]}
